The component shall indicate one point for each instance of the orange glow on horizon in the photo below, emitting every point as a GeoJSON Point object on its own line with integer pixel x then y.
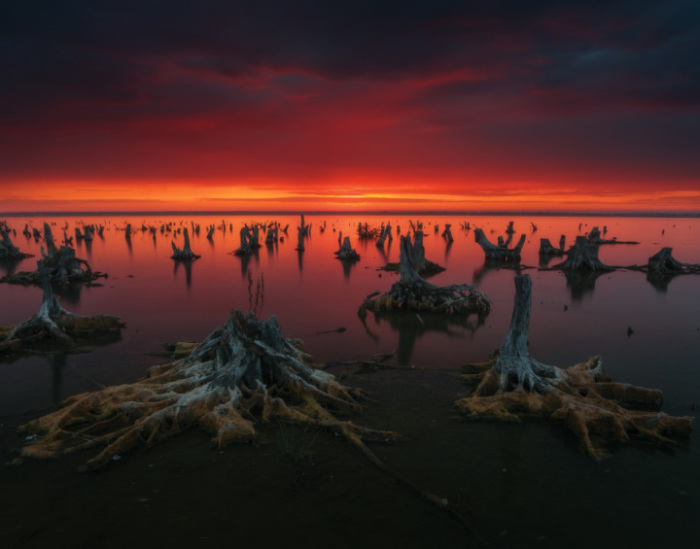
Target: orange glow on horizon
{"type": "Point", "coordinates": [338, 195]}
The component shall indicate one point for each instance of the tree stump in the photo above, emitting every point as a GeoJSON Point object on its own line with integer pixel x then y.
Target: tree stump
{"type": "Point", "coordinates": [499, 252]}
{"type": "Point", "coordinates": [241, 374]}
{"type": "Point", "coordinates": [62, 267]}
{"type": "Point", "coordinates": [54, 329]}
{"type": "Point", "coordinates": [384, 234]}
{"type": "Point", "coordinates": [416, 251]}
{"type": "Point", "coordinates": [513, 385]}
{"type": "Point", "coordinates": [582, 257]}
{"type": "Point", "coordinates": [346, 252]}
{"type": "Point", "coordinates": [546, 248]}
{"type": "Point", "coordinates": [249, 242]}
{"type": "Point", "coordinates": [186, 253]}
{"type": "Point", "coordinates": [447, 233]}
{"type": "Point", "coordinates": [8, 251]}
{"type": "Point", "coordinates": [413, 293]}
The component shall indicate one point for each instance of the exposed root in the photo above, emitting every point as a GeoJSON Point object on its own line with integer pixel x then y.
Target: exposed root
{"type": "Point", "coordinates": [53, 328]}
{"type": "Point", "coordinates": [513, 385]}
{"type": "Point", "coordinates": [242, 373]}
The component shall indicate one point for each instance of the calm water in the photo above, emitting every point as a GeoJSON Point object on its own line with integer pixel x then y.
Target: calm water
{"type": "Point", "coordinates": [523, 485]}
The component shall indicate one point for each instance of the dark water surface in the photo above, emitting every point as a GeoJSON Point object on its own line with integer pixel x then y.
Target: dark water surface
{"type": "Point", "coordinates": [523, 485]}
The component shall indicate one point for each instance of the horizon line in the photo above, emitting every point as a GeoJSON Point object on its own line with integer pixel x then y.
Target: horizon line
{"type": "Point", "coordinates": [544, 213]}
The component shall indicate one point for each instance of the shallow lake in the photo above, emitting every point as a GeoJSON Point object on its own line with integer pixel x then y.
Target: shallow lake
{"type": "Point", "coordinates": [518, 485]}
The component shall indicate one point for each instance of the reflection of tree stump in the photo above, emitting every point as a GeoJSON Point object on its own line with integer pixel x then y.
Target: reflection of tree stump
{"type": "Point", "coordinates": [513, 385]}
{"type": "Point", "coordinates": [500, 252]}
{"type": "Point", "coordinates": [53, 328]}
{"type": "Point", "coordinates": [243, 372]}
{"type": "Point", "coordinates": [413, 293]}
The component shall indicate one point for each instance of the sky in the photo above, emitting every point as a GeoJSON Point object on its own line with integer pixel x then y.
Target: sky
{"type": "Point", "coordinates": [363, 105]}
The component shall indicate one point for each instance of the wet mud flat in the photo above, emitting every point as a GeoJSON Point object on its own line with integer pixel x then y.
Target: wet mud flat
{"type": "Point", "coordinates": [515, 485]}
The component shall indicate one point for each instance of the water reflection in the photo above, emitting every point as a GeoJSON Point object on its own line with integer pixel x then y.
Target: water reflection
{"type": "Point", "coordinates": [188, 270]}
{"type": "Point", "coordinates": [411, 327]}
{"type": "Point", "coordinates": [58, 364]}
{"type": "Point", "coordinates": [494, 265]}
{"type": "Point", "coordinates": [581, 283]}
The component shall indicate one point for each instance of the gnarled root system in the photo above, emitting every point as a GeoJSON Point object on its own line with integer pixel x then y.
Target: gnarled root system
{"type": "Point", "coordinates": [513, 385]}
{"type": "Point", "coordinates": [242, 373]}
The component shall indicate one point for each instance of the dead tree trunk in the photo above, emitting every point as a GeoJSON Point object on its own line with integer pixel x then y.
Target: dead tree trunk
{"type": "Point", "coordinates": [500, 252]}
{"type": "Point", "coordinates": [663, 263]}
{"type": "Point", "coordinates": [184, 254]}
{"type": "Point", "coordinates": [346, 252]}
{"type": "Point", "coordinates": [413, 293]}
{"type": "Point", "coordinates": [547, 249]}
{"type": "Point", "coordinates": [385, 233]}
{"type": "Point", "coordinates": [447, 233]}
{"type": "Point", "coordinates": [8, 251]}
{"type": "Point", "coordinates": [513, 385]}
{"type": "Point", "coordinates": [582, 257]}
{"type": "Point", "coordinates": [242, 373]}
{"type": "Point", "coordinates": [53, 328]}
{"type": "Point", "coordinates": [249, 241]}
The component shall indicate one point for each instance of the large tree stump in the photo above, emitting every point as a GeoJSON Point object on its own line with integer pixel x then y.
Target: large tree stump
{"type": "Point", "coordinates": [186, 253]}
{"type": "Point", "coordinates": [500, 252]}
{"type": "Point", "coordinates": [514, 385]}
{"type": "Point", "coordinates": [413, 293]}
{"type": "Point", "coordinates": [54, 329]}
{"type": "Point", "coordinates": [243, 373]}
{"type": "Point", "coordinates": [582, 257]}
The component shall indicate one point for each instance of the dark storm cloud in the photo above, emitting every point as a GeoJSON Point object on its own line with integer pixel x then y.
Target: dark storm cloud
{"type": "Point", "coordinates": [294, 67]}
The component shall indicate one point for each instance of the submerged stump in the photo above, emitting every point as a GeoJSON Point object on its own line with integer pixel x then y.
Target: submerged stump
{"type": "Point", "coordinates": [243, 373]}
{"type": "Point", "coordinates": [413, 293]}
{"type": "Point", "coordinates": [514, 385]}
{"type": "Point", "coordinates": [54, 329]}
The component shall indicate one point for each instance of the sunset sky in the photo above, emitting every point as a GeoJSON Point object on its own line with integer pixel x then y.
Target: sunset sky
{"type": "Point", "coordinates": [324, 105]}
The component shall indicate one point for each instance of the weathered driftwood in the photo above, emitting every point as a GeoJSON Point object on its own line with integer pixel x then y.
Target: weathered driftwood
{"type": "Point", "coordinates": [424, 266]}
{"type": "Point", "coordinates": [8, 251]}
{"type": "Point", "coordinates": [346, 252]}
{"type": "Point", "coordinates": [54, 329]}
{"type": "Point", "coordinates": [413, 293]}
{"type": "Point", "coordinates": [583, 257]}
{"type": "Point", "coordinates": [186, 253]}
{"type": "Point", "coordinates": [240, 374]}
{"type": "Point", "coordinates": [500, 252]}
{"type": "Point", "coordinates": [514, 385]}
{"type": "Point", "coordinates": [62, 267]}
